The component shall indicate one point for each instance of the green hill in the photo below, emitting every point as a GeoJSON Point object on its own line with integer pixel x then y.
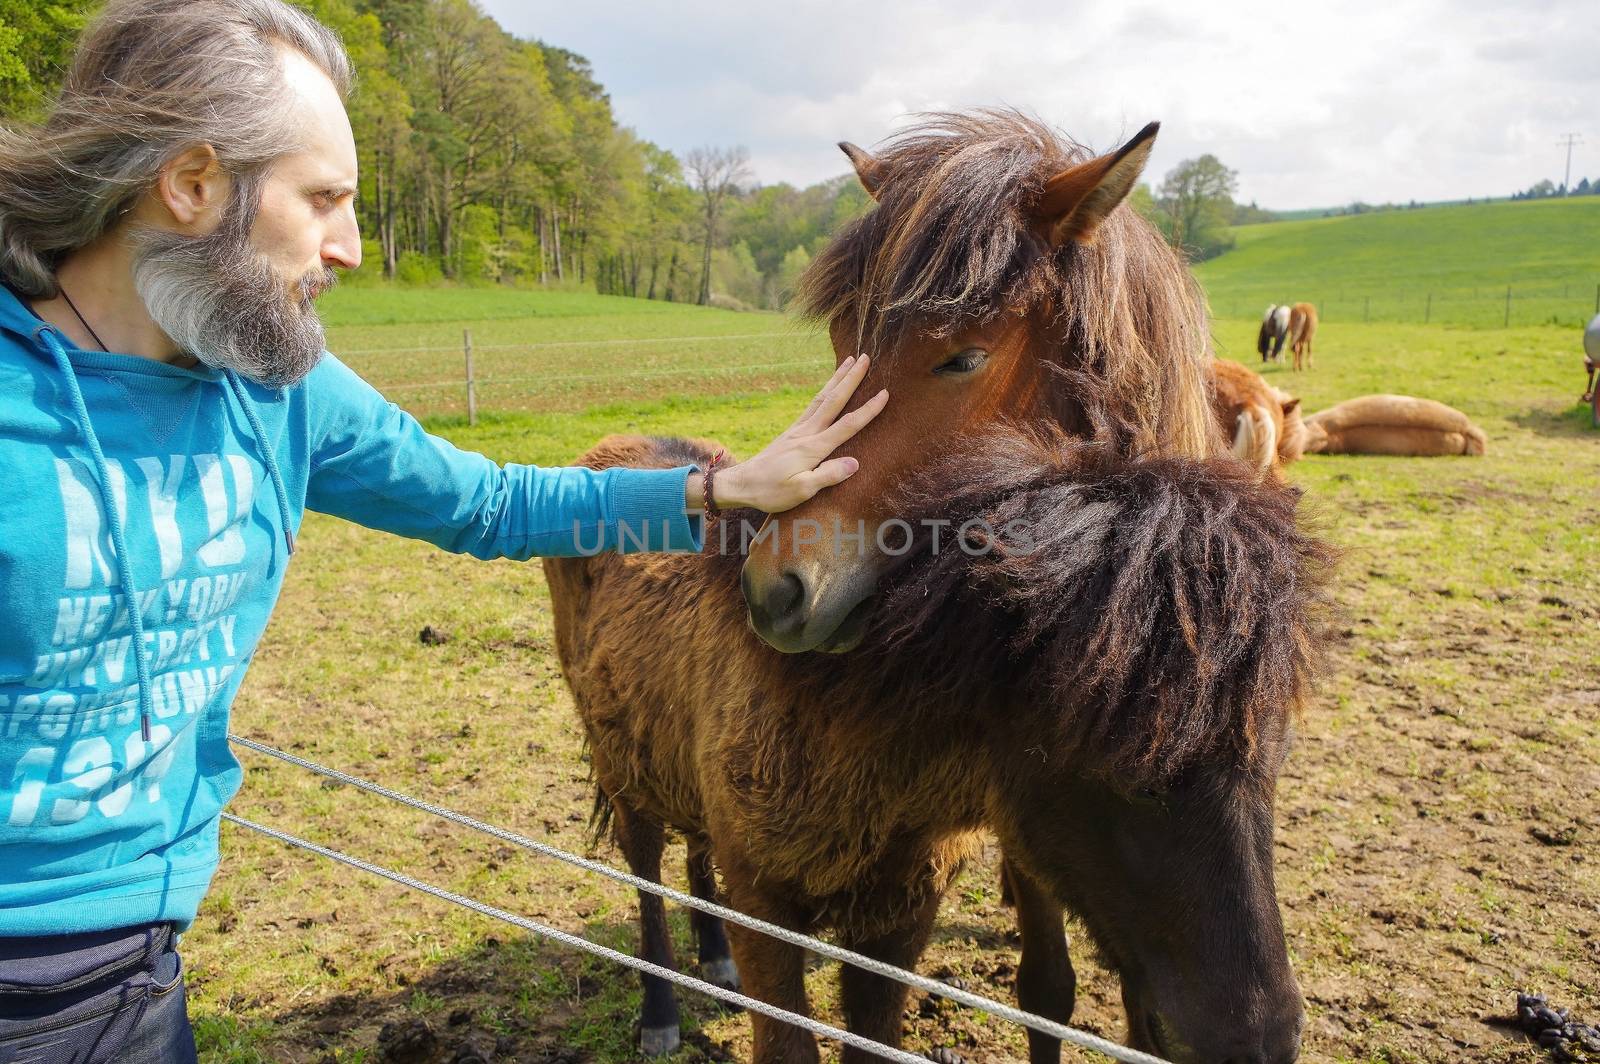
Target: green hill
{"type": "Point", "coordinates": [1450, 264]}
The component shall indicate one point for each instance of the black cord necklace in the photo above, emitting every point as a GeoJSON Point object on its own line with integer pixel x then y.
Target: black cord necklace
{"type": "Point", "coordinates": [82, 320]}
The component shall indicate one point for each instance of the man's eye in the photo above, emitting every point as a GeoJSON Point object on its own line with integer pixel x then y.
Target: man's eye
{"type": "Point", "coordinates": [965, 362]}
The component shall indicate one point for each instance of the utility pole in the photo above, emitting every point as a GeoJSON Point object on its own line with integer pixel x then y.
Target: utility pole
{"type": "Point", "coordinates": [1569, 139]}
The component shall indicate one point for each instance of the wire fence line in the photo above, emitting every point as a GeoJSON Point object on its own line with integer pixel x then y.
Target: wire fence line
{"type": "Point", "coordinates": [1484, 306]}
{"type": "Point", "coordinates": [539, 345]}
{"type": "Point", "coordinates": [1071, 1035]}
{"type": "Point", "coordinates": [628, 368]}
{"type": "Point", "coordinates": [681, 371]}
{"type": "Point", "coordinates": [689, 982]}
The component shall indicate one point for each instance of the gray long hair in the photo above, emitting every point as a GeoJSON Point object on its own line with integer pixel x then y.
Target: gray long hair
{"type": "Point", "coordinates": [149, 80]}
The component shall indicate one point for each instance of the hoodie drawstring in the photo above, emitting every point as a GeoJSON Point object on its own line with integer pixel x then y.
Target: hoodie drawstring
{"type": "Point", "coordinates": [267, 456]}
{"type": "Point", "coordinates": [119, 541]}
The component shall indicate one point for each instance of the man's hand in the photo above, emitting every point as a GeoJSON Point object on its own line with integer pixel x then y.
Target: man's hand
{"type": "Point", "coordinates": [786, 472]}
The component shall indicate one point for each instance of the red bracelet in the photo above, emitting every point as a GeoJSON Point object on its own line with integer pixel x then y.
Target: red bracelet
{"type": "Point", "coordinates": [710, 506]}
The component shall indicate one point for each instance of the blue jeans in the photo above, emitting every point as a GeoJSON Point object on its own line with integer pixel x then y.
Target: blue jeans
{"type": "Point", "coordinates": [95, 998]}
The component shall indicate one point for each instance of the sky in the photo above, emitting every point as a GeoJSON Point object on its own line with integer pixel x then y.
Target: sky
{"type": "Point", "coordinates": [1315, 105]}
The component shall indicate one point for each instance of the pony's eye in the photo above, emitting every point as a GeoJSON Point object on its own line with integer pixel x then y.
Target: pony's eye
{"type": "Point", "coordinates": [965, 362]}
{"type": "Point", "coordinates": [1149, 796]}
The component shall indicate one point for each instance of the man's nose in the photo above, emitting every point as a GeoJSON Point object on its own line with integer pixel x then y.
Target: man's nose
{"type": "Point", "coordinates": [342, 249]}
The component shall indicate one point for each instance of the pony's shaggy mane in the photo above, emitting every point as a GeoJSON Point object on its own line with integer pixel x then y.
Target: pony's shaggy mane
{"type": "Point", "coordinates": [954, 241]}
{"type": "Point", "coordinates": [1165, 612]}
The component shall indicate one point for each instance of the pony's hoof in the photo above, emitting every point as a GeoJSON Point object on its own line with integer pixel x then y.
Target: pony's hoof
{"type": "Point", "coordinates": [658, 1041]}
{"type": "Point", "coordinates": [722, 972]}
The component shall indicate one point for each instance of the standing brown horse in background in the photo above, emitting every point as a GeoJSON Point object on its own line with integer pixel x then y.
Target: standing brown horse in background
{"type": "Point", "coordinates": [1101, 702]}
{"type": "Point", "coordinates": [1302, 330]}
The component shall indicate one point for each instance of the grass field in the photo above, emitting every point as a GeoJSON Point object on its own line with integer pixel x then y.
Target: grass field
{"type": "Point", "coordinates": [1437, 816]}
{"type": "Point", "coordinates": [559, 351]}
{"type": "Point", "coordinates": [1449, 265]}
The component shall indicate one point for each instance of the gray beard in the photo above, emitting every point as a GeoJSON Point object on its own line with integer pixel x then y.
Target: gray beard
{"type": "Point", "coordinates": [221, 301]}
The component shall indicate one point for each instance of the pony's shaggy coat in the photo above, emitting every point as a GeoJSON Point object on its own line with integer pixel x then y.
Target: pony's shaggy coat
{"type": "Point", "coordinates": [1164, 611]}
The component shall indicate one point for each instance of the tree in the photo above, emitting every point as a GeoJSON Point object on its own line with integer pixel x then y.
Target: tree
{"type": "Point", "coordinates": [789, 271]}
{"type": "Point", "coordinates": [36, 40]}
{"type": "Point", "coordinates": [1196, 199]}
{"type": "Point", "coordinates": [716, 173]}
{"type": "Point", "coordinates": [1143, 202]}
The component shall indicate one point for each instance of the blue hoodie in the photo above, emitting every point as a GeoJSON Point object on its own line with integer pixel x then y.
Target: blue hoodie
{"type": "Point", "coordinates": [123, 478]}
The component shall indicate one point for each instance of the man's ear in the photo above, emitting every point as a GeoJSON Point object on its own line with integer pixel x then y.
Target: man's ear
{"type": "Point", "coordinates": [193, 188]}
{"type": "Point", "coordinates": [868, 169]}
{"type": "Point", "coordinates": [1078, 199]}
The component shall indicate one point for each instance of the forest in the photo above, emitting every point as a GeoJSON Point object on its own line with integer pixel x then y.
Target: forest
{"type": "Point", "coordinates": [486, 159]}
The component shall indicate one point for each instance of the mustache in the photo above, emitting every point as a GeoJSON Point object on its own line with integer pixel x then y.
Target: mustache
{"type": "Point", "coordinates": [316, 283]}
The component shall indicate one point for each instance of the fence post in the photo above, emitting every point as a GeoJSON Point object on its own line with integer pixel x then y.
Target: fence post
{"type": "Point", "coordinates": [1427, 313]}
{"type": "Point", "coordinates": [472, 387]}
{"type": "Point", "coordinates": [1508, 306]}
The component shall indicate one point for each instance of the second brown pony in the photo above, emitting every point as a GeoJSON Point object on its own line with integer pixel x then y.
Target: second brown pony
{"type": "Point", "coordinates": [1264, 423]}
{"type": "Point", "coordinates": [1302, 330]}
{"type": "Point", "coordinates": [833, 726]}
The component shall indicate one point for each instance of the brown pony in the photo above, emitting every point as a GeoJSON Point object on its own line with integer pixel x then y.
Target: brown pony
{"type": "Point", "coordinates": [1264, 422]}
{"type": "Point", "coordinates": [1103, 688]}
{"type": "Point", "coordinates": [1302, 330]}
{"type": "Point", "coordinates": [1393, 425]}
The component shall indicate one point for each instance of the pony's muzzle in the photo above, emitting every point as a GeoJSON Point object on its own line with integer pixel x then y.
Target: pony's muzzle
{"type": "Point", "coordinates": [794, 611]}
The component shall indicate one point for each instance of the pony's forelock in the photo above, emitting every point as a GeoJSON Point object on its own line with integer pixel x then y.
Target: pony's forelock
{"type": "Point", "coordinates": [953, 242]}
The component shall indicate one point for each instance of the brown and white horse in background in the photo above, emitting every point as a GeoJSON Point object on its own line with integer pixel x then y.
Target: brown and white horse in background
{"type": "Point", "coordinates": [1274, 328]}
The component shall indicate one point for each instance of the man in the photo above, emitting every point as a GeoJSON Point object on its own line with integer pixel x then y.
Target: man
{"type": "Point", "coordinates": [167, 413]}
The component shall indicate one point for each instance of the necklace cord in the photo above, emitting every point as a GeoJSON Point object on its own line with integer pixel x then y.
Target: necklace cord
{"type": "Point", "coordinates": [82, 320]}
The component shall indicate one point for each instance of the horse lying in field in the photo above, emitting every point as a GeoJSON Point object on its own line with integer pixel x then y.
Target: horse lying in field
{"type": "Point", "coordinates": [1274, 328]}
{"type": "Point", "coordinates": [1395, 425]}
{"type": "Point", "coordinates": [1264, 422]}
{"type": "Point", "coordinates": [1302, 330]}
{"type": "Point", "coordinates": [1100, 666]}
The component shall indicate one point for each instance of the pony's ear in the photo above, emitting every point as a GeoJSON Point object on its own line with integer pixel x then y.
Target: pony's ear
{"type": "Point", "coordinates": [1290, 406]}
{"type": "Point", "coordinates": [868, 169]}
{"type": "Point", "coordinates": [1078, 199]}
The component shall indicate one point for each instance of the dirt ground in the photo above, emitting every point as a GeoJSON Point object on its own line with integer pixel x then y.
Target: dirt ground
{"type": "Point", "coordinates": [1438, 815]}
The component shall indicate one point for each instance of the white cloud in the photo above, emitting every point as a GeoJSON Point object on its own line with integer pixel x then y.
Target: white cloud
{"type": "Point", "coordinates": [1314, 105]}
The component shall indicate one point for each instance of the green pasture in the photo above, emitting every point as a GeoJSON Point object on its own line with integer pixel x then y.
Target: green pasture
{"type": "Point", "coordinates": [559, 351]}
{"type": "Point", "coordinates": [1458, 714]}
{"type": "Point", "coordinates": [1448, 265]}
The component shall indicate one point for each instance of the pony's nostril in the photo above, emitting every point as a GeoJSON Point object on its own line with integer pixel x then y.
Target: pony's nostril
{"type": "Point", "coordinates": [773, 606]}
{"type": "Point", "coordinates": [786, 596]}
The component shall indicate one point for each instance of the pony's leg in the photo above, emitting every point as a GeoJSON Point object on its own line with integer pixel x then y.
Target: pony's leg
{"type": "Point", "coordinates": [874, 1006]}
{"type": "Point", "coordinates": [1046, 984]}
{"type": "Point", "coordinates": [642, 839]}
{"type": "Point", "coordinates": [772, 971]}
{"type": "Point", "coordinates": [716, 961]}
